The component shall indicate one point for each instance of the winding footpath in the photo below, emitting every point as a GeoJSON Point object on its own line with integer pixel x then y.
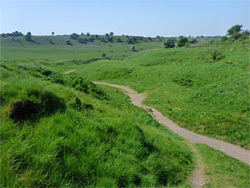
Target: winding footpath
{"type": "Point", "coordinates": [234, 151]}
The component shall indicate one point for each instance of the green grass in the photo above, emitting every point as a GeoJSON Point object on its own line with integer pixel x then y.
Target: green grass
{"type": "Point", "coordinates": [42, 50]}
{"type": "Point", "coordinates": [53, 135]}
{"type": "Point", "coordinates": [207, 96]}
{"type": "Point", "coordinates": [62, 130]}
{"type": "Point", "coordinates": [222, 170]}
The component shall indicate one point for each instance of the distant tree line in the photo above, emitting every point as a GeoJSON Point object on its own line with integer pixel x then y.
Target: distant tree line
{"type": "Point", "coordinates": [236, 33]}
{"type": "Point", "coordinates": [13, 34]}
{"type": "Point", "coordinates": [109, 38]}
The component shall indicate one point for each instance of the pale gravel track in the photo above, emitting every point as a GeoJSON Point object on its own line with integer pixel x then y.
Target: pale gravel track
{"type": "Point", "coordinates": [234, 151]}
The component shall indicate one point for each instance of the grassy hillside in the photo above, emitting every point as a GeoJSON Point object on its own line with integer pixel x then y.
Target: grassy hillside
{"type": "Point", "coordinates": [63, 131]}
{"type": "Point", "coordinates": [222, 170]}
{"type": "Point", "coordinates": [204, 89]}
{"type": "Point", "coordinates": [41, 49]}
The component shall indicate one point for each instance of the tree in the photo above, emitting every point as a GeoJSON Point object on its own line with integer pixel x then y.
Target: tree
{"type": "Point", "coordinates": [111, 33]}
{"type": "Point", "coordinates": [82, 40]}
{"type": "Point", "coordinates": [193, 41]}
{"type": "Point", "coordinates": [103, 54]}
{"type": "Point", "coordinates": [182, 41]}
{"type": "Point", "coordinates": [68, 42]}
{"type": "Point", "coordinates": [119, 39]}
{"type": "Point", "coordinates": [51, 41]}
{"type": "Point", "coordinates": [88, 34]}
{"type": "Point", "coordinates": [129, 40]}
{"type": "Point", "coordinates": [53, 33]}
{"type": "Point", "coordinates": [223, 39]}
{"type": "Point", "coordinates": [234, 30]}
{"type": "Point", "coordinates": [169, 43]}
{"type": "Point", "coordinates": [110, 39]}
{"type": "Point", "coordinates": [28, 36]}
{"type": "Point", "coordinates": [133, 48]}
{"type": "Point", "coordinates": [74, 36]}
{"type": "Point", "coordinates": [92, 38]}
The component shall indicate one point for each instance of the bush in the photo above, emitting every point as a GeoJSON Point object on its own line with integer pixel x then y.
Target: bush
{"type": "Point", "coordinates": [129, 40]}
{"type": "Point", "coordinates": [119, 39]}
{"type": "Point", "coordinates": [74, 36]}
{"type": "Point", "coordinates": [28, 36]}
{"type": "Point", "coordinates": [216, 55]}
{"type": "Point", "coordinates": [92, 38]}
{"type": "Point", "coordinates": [193, 41]}
{"type": "Point", "coordinates": [223, 39]}
{"type": "Point", "coordinates": [68, 42]}
{"type": "Point", "coordinates": [133, 48]}
{"type": "Point", "coordinates": [182, 41]}
{"type": "Point", "coordinates": [51, 41]}
{"type": "Point", "coordinates": [169, 43]}
{"type": "Point", "coordinates": [82, 40]}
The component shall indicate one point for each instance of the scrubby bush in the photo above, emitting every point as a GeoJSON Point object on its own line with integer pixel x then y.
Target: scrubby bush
{"type": "Point", "coordinates": [216, 55]}
{"type": "Point", "coordinates": [193, 41]}
{"type": "Point", "coordinates": [74, 36]}
{"type": "Point", "coordinates": [223, 39]}
{"type": "Point", "coordinates": [68, 42]}
{"type": "Point", "coordinates": [133, 48]}
{"type": "Point", "coordinates": [119, 39]}
{"type": "Point", "coordinates": [51, 41]}
{"type": "Point", "coordinates": [234, 30]}
{"type": "Point", "coordinates": [91, 39]}
{"type": "Point", "coordinates": [82, 40]}
{"type": "Point", "coordinates": [182, 41]}
{"type": "Point", "coordinates": [169, 43]}
{"type": "Point", "coordinates": [129, 40]}
{"type": "Point", "coordinates": [28, 37]}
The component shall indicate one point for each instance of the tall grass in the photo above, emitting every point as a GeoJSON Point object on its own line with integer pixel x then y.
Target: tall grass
{"type": "Point", "coordinates": [204, 94]}
{"type": "Point", "coordinates": [83, 141]}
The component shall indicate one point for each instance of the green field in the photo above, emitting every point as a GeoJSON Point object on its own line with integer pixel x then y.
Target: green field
{"type": "Point", "coordinates": [207, 96]}
{"type": "Point", "coordinates": [61, 130]}
{"type": "Point", "coordinates": [53, 134]}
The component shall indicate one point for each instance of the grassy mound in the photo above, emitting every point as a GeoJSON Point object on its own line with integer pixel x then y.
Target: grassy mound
{"type": "Point", "coordinates": [58, 136]}
{"type": "Point", "coordinates": [204, 89]}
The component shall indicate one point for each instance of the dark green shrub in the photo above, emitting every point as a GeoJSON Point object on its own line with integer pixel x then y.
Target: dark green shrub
{"type": "Point", "coordinates": [223, 39]}
{"type": "Point", "coordinates": [74, 36]}
{"type": "Point", "coordinates": [68, 42]}
{"type": "Point", "coordinates": [82, 40]}
{"type": "Point", "coordinates": [169, 43]}
{"type": "Point", "coordinates": [184, 81]}
{"type": "Point", "coordinates": [182, 41]}
{"type": "Point", "coordinates": [28, 37]}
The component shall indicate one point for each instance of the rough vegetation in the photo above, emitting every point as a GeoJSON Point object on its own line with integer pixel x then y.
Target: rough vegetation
{"type": "Point", "coordinates": [54, 135]}
{"type": "Point", "coordinates": [204, 89]}
{"type": "Point", "coordinates": [61, 130]}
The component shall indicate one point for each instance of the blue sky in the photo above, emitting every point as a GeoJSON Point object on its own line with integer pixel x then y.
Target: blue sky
{"type": "Point", "coordinates": [138, 17]}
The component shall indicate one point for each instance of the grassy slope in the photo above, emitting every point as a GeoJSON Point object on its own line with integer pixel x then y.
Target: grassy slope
{"type": "Point", "coordinates": [42, 50]}
{"type": "Point", "coordinates": [74, 139]}
{"type": "Point", "coordinates": [222, 170]}
{"type": "Point", "coordinates": [31, 150]}
{"type": "Point", "coordinates": [205, 96]}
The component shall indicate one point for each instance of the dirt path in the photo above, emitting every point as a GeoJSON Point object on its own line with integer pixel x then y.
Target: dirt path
{"type": "Point", "coordinates": [234, 151]}
{"type": "Point", "coordinates": [69, 71]}
{"type": "Point", "coordinates": [199, 178]}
